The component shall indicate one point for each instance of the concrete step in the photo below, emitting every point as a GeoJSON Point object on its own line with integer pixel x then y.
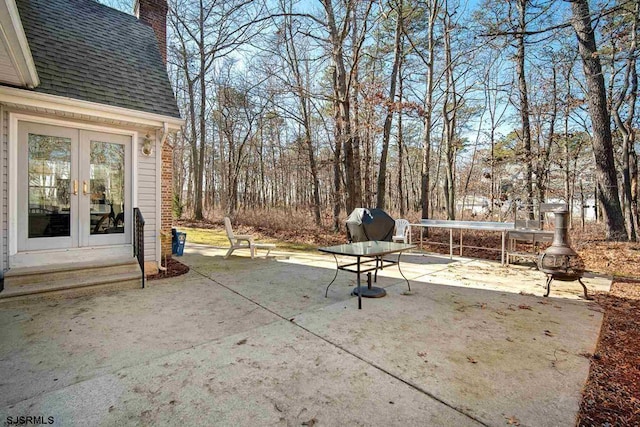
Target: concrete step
{"type": "Point", "coordinates": [59, 272]}
{"type": "Point", "coordinates": [71, 278]}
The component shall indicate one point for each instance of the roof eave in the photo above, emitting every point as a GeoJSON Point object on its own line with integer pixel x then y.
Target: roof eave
{"type": "Point", "coordinates": [76, 106]}
{"type": "Point", "coordinates": [13, 36]}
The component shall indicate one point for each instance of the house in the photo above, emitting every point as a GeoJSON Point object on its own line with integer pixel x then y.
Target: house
{"type": "Point", "coordinates": [473, 205]}
{"type": "Point", "coordinates": [86, 107]}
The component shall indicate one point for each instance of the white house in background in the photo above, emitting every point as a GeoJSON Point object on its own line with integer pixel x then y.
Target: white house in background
{"type": "Point", "coordinates": [473, 205]}
{"type": "Point", "coordinates": [85, 110]}
{"type": "Point", "coordinates": [589, 208]}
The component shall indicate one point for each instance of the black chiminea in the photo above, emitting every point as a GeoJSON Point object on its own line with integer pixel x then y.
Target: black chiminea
{"type": "Point", "coordinates": [559, 261]}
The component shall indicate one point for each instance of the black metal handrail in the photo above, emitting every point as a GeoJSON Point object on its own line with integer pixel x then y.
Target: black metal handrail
{"type": "Point", "coordinates": [138, 239]}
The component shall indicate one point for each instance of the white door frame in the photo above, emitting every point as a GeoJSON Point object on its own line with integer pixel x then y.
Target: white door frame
{"type": "Point", "coordinates": [86, 239]}
{"type": "Point", "coordinates": [14, 119]}
{"type": "Point", "coordinates": [24, 242]}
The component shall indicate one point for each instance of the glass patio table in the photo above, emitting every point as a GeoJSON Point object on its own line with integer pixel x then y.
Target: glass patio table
{"type": "Point", "coordinates": [366, 253]}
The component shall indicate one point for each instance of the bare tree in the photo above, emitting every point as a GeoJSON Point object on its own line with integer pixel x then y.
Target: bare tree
{"type": "Point", "coordinates": [524, 101]}
{"type": "Point", "coordinates": [301, 88]}
{"type": "Point", "coordinates": [627, 96]}
{"type": "Point", "coordinates": [205, 31]}
{"type": "Point", "coordinates": [597, 100]}
{"type": "Point", "coordinates": [391, 98]}
{"type": "Point", "coordinates": [338, 33]}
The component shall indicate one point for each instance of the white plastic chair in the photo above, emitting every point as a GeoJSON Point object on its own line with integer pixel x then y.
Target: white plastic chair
{"type": "Point", "coordinates": [401, 233]}
{"type": "Point", "coordinates": [239, 241]}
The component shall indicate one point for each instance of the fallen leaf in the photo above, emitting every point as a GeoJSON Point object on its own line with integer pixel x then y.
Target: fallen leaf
{"type": "Point", "coordinates": [548, 333]}
{"type": "Point", "coordinates": [471, 359]}
{"type": "Point", "coordinates": [311, 422]}
{"type": "Point", "coordinates": [513, 421]}
{"type": "Point", "coordinates": [243, 341]}
{"type": "Point", "coordinates": [524, 307]}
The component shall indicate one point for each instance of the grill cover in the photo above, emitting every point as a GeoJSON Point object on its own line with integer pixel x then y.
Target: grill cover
{"type": "Point", "coordinates": [369, 224]}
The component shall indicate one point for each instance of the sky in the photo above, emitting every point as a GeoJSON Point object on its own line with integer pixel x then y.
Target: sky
{"type": "Point", "coordinates": [123, 5]}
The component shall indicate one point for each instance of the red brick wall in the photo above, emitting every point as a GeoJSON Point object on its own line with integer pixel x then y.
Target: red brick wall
{"type": "Point", "coordinates": [166, 189]}
{"type": "Point", "coordinates": [154, 14]}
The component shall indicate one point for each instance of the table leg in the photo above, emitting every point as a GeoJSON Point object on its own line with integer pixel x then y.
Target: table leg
{"type": "Point", "coordinates": [375, 277]}
{"type": "Point", "coordinates": [451, 243]}
{"type": "Point", "coordinates": [401, 273]}
{"type": "Point", "coordinates": [503, 242]}
{"type": "Point", "coordinates": [421, 231]}
{"type": "Point", "coordinates": [461, 242]}
{"type": "Point", "coordinates": [359, 291]}
{"type": "Point", "coordinates": [334, 277]}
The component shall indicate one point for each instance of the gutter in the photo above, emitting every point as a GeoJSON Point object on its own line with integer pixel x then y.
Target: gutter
{"type": "Point", "coordinates": [29, 98]}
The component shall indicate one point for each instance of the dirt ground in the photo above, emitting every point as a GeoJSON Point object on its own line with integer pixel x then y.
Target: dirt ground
{"type": "Point", "coordinates": [612, 393]}
{"type": "Point", "coordinates": [174, 268]}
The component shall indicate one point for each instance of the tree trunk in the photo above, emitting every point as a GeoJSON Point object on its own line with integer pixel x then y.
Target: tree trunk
{"type": "Point", "coordinates": [337, 153]}
{"type": "Point", "coordinates": [386, 131]}
{"type": "Point", "coordinates": [400, 143]}
{"type": "Point", "coordinates": [602, 144]}
{"type": "Point", "coordinates": [524, 104]}
{"type": "Point", "coordinates": [628, 93]}
{"type": "Point", "coordinates": [341, 93]}
{"type": "Point", "coordinates": [449, 113]}
{"type": "Point", "coordinates": [425, 185]}
{"type": "Point", "coordinates": [199, 161]}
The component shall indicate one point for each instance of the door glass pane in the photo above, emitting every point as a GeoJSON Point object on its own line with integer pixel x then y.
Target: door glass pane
{"type": "Point", "coordinates": [107, 187]}
{"type": "Point", "coordinates": [48, 186]}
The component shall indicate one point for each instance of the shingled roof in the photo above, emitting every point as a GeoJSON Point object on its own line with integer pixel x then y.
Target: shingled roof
{"type": "Point", "coordinates": [88, 51]}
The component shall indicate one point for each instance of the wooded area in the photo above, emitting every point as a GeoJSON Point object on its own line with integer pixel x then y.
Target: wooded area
{"type": "Point", "coordinates": [449, 108]}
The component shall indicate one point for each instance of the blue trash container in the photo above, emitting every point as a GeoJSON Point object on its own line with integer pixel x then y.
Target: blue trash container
{"type": "Point", "coordinates": [182, 238]}
{"type": "Point", "coordinates": [174, 241]}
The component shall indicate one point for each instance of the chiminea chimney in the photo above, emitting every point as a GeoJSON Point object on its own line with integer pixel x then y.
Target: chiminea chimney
{"type": "Point", "coordinates": [154, 14]}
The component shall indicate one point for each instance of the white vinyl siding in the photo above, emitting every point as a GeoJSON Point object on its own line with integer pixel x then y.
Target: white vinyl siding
{"type": "Point", "coordinates": [146, 169]}
{"type": "Point", "coordinates": [4, 185]}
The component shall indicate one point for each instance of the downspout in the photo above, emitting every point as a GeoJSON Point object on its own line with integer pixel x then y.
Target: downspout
{"type": "Point", "coordinates": [163, 138]}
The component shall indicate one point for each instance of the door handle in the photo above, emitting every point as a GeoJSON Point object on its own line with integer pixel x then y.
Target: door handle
{"type": "Point", "coordinates": [75, 187]}
{"type": "Point", "coordinates": [85, 188]}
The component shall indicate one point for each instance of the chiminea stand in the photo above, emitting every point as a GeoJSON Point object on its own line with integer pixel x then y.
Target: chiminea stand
{"type": "Point", "coordinates": [551, 277]}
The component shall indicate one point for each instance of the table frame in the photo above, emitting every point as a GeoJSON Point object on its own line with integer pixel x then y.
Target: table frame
{"type": "Point", "coordinates": [533, 237]}
{"type": "Point", "coordinates": [372, 256]}
{"type": "Point", "coordinates": [502, 227]}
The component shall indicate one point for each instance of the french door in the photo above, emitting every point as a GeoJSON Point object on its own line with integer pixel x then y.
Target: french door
{"type": "Point", "coordinates": [74, 188]}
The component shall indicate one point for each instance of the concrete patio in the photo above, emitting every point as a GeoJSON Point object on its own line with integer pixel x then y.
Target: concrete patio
{"type": "Point", "coordinates": [255, 342]}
